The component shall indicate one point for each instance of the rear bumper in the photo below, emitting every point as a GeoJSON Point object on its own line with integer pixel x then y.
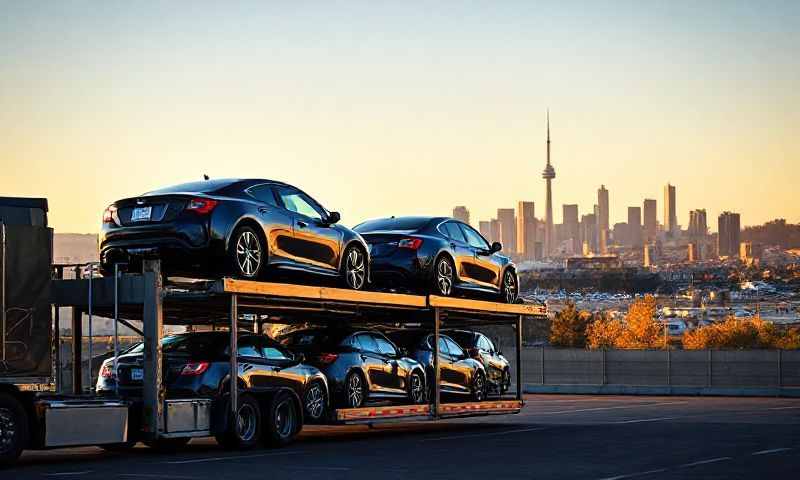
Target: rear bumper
{"type": "Point", "coordinates": [403, 268]}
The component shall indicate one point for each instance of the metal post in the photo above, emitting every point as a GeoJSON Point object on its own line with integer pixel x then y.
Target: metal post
{"type": "Point", "coordinates": [519, 357]}
{"type": "Point", "coordinates": [234, 355]}
{"type": "Point", "coordinates": [436, 373]}
{"type": "Point", "coordinates": [603, 366]}
{"type": "Point", "coordinates": [3, 292]}
{"type": "Point", "coordinates": [541, 357]}
{"type": "Point", "coordinates": [669, 368]}
{"type": "Point", "coordinates": [77, 351]}
{"type": "Point", "coordinates": [91, 333]}
{"type": "Point", "coordinates": [116, 329]}
{"type": "Point", "coordinates": [780, 373]}
{"type": "Point", "coordinates": [152, 320]}
{"type": "Point", "coordinates": [709, 381]}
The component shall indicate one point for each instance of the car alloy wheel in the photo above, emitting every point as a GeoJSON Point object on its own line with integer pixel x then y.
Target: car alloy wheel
{"type": "Point", "coordinates": [355, 268]}
{"type": "Point", "coordinates": [246, 423]}
{"type": "Point", "coordinates": [355, 391]}
{"type": "Point", "coordinates": [248, 253]}
{"type": "Point", "coordinates": [444, 277]}
{"type": "Point", "coordinates": [8, 430]}
{"type": "Point", "coordinates": [416, 388]}
{"type": "Point", "coordinates": [479, 387]}
{"type": "Point", "coordinates": [315, 402]}
{"type": "Point", "coordinates": [509, 287]}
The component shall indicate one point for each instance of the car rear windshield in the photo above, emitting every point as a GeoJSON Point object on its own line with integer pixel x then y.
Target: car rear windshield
{"type": "Point", "coordinates": [195, 345]}
{"type": "Point", "coordinates": [405, 224]}
{"type": "Point", "coordinates": [465, 339]}
{"type": "Point", "coordinates": [206, 186]}
{"type": "Point", "coordinates": [313, 340]}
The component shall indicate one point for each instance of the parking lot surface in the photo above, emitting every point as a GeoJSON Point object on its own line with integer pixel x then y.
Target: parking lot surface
{"type": "Point", "coordinates": [556, 436]}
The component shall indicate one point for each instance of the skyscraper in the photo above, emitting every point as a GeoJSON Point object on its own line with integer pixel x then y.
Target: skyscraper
{"type": "Point", "coordinates": [549, 173]}
{"type": "Point", "coordinates": [698, 225]}
{"type": "Point", "coordinates": [670, 213]}
{"type": "Point", "coordinates": [495, 229]}
{"type": "Point", "coordinates": [728, 239]}
{"type": "Point", "coordinates": [634, 227]}
{"type": "Point", "coordinates": [589, 233]}
{"type": "Point", "coordinates": [650, 221]}
{"type": "Point", "coordinates": [461, 213]}
{"type": "Point", "coordinates": [508, 229]}
{"type": "Point", "coordinates": [602, 204]}
{"type": "Point", "coordinates": [572, 226]}
{"type": "Point", "coordinates": [526, 230]}
{"type": "Point", "coordinates": [485, 227]}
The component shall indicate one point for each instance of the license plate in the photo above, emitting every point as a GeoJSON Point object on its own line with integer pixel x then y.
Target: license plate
{"type": "Point", "coordinates": [137, 374]}
{"type": "Point", "coordinates": [141, 214]}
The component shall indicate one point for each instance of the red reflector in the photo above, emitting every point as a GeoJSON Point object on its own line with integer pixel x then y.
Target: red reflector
{"type": "Point", "coordinates": [201, 205]}
{"type": "Point", "coordinates": [194, 368]}
{"type": "Point", "coordinates": [327, 358]}
{"type": "Point", "coordinates": [412, 243]}
{"type": "Point", "coordinates": [105, 372]}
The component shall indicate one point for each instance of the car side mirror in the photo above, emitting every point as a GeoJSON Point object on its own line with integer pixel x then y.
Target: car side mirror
{"type": "Point", "coordinates": [496, 247]}
{"type": "Point", "coordinates": [333, 217]}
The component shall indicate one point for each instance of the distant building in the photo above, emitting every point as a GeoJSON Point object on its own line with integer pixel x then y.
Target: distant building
{"type": "Point", "coordinates": [602, 210]}
{"type": "Point", "coordinates": [634, 227]}
{"type": "Point", "coordinates": [698, 225]}
{"type": "Point", "coordinates": [589, 239]}
{"type": "Point", "coordinates": [750, 252]}
{"type": "Point", "coordinates": [603, 262]}
{"type": "Point", "coordinates": [693, 252]}
{"type": "Point", "coordinates": [620, 233]}
{"type": "Point", "coordinates": [526, 230]}
{"type": "Point", "coordinates": [548, 174]}
{"type": "Point", "coordinates": [572, 225]}
{"type": "Point", "coordinates": [485, 227]}
{"type": "Point", "coordinates": [508, 229]}
{"type": "Point", "coordinates": [495, 230]}
{"type": "Point", "coordinates": [729, 234]}
{"type": "Point", "coordinates": [461, 213]}
{"type": "Point", "coordinates": [670, 212]}
{"type": "Point", "coordinates": [650, 220]}
{"type": "Point", "coordinates": [649, 254]}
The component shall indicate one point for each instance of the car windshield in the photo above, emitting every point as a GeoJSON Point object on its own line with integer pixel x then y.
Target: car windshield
{"type": "Point", "coordinates": [404, 224]}
{"type": "Point", "coordinates": [206, 186]}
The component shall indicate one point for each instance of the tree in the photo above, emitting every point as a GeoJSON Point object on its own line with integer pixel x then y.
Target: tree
{"type": "Point", "coordinates": [641, 330]}
{"type": "Point", "coordinates": [736, 333]}
{"type": "Point", "coordinates": [568, 327]}
{"type": "Point", "coordinates": [604, 333]}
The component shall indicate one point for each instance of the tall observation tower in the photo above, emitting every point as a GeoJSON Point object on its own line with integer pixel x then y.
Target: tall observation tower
{"type": "Point", "coordinates": [549, 173]}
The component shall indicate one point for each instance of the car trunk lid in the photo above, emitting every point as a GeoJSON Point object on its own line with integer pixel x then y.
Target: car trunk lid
{"type": "Point", "coordinates": [148, 210]}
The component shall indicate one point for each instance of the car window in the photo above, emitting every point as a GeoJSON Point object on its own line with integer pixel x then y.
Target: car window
{"type": "Point", "coordinates": [273, 351]}
{"type": "Point", "coordinates": [299, 202]}
{"type": "Point", "coordinates": [484, 344]}
{"type": "Point", "coordinates": [248, 347]}
{"type": "Point", "coordinates": [452, 231]}
{"type": "Point", "coordinates": [367, 343]}
{"type": "Point", "coordinates": [385, 347]}
{"type": "Point", "coordinates": [454, 349]}
{"type": "Point", "coordinates": [474, 239]}
{"type": "Point", "coordinates": [263, 193]}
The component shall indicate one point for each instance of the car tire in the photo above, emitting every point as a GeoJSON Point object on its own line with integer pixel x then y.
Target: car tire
{"type": "Point", "coordinates": [248, 254]}
{"type": "Point", "coordinates": [167, 445]}
{"type": "Point", "coordinates": [315, 402]}
{"type": "Point", "coordinates": [354, 268]}
{"type": "Point", "coordinates": [119, 447]}
{"type": "Point", "coordinates": [479, 387]}
{"type": "Point", "coordinates": [417, 391]}
{"type": "Point", "coordinates": [444, 277]}
{"type": "Point", "coordinates": [505, 382]}
{"type": "Point", "coordinates": [244, 431]}
{"type": "Point", "coordinates": [355, 390]}
{"type": "Point", "coordinates": [12, 419]}
{"type": "Point", "coordinates": [509, 290]}
{"type": "Point", "coordinates": [283, 420]}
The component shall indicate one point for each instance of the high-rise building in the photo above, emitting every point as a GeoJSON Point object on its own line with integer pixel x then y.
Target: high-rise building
{"type": "Point", "coordinates": [650, 220]}
{"type": "Point", "coordinates": [508, 229]}
{"type": "Point", "coordinates": [589, 233]}
{"type": "Point", "coordinates": [526, 230]}
{"type": "Point", "coordinates": [572, 226]}
{"type": "Point", "coordinates": [693, 252]}
{"type": "Point", "coordinates": [729, 234]}
{"type": "Point", "coordinates": [698, 226]}
{"type": "Point", "coordinates": [634, 227]}
{"type": "Point", "coordinates": [495, 230]}
{"type": "Point", "coordinates": [602, 204]}
{"type": "Point", "coordinates": [461, 213]}
{"type": "Point", "coordinates": [549, 173]}
{"type": "Point", "coordinates": [670, 212]}
{"type": "Point", "coordinates": [485, 227]}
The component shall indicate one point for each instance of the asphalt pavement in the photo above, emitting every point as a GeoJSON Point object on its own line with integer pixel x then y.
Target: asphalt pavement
{"type": "Point", "coordinates": [556, 436]}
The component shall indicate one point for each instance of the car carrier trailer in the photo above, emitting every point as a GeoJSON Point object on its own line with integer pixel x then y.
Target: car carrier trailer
{"type": "Point", "coordinates": [54, 420]}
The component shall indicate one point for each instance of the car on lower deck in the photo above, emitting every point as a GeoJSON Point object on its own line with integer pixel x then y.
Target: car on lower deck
{"type": "Point", "coordinates": [460, 375]}
{"type": "Point", "coordinates": [482, 349]}
{"type": "Point", "coordinates": [247, 228]}
{"type": "Point", "coordinates": [438, 255]}
{"type": "Point", "coordinates": [362, 366]}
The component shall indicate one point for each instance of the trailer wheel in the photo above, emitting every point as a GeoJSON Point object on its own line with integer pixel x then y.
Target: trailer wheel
{"type": "Point", "coordinates": [13, 429]}
{"type": "Point", "coordinates": [283, 421]}
{"type": "Point", "coordinates": [119, 447]}
{"type": "Point", "coordinates": [167, 445]}
{"type": "Point", "coordinates": [244, 431]}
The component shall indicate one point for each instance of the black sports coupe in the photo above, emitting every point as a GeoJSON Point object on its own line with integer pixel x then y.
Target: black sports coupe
{"type": "Point", "coordinates": [238, 227]}
{"type": "Point", "coordinates": [440, 255]}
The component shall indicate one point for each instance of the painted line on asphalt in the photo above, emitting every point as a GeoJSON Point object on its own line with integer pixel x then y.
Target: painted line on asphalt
{"type": "Point", "coordinates": [784, 408]}
{"type": "Point", "coordinates": [67, 474]}
{"type": "Point", "coordinates": [157, 475]}
{"type": "Point", "coordinates": [232, 457]}
{"type": "Point", "coordinates": [637, 474]}
{"type": "Point", "coordinates": [597, 409]}
{"type": "Point", "coordinates": [644, 420]}
{"type": "Point", "coordinates": [473, 435]}
{"type": "Point", "coordinates": [773, 450]}
{"type": "Point", "coordinates": [704, 462]}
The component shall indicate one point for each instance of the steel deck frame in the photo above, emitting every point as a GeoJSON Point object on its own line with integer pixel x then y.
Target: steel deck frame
{"type": "Point", "coordinates": [147, 298]}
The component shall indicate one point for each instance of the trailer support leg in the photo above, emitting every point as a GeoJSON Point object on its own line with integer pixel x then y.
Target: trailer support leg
{"type": "Point", "coordinates": [519, 357]}
{"type": "Point", "coordinates": [152, 316]}
{"type": "Point", "coordinates": [77, 351]}
{"type": "Point", "coordinates": [437, 319]}
{"type": "Point", "coordinates": [234, 348]}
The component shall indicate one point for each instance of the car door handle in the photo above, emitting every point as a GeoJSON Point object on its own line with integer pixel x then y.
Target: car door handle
{"type": "Point", "coordinates": [363, 357]}
{"type": "Point", "coordinates": [301, 224]}
{"type": "Point", "coordinates": [452, 245]}
{"type": "Point", "coordinates": [263, 210]}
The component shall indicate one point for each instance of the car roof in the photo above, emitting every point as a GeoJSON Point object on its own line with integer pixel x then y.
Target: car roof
{"type": "Point", "coordinates": [213, 185]}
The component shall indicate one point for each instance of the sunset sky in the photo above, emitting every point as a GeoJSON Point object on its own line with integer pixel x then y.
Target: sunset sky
{"type": "Point", "coordinates": [392, 108]}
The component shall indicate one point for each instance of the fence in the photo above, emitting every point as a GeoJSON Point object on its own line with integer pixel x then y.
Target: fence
{"type": "Point", "coordinates": [744, 372]}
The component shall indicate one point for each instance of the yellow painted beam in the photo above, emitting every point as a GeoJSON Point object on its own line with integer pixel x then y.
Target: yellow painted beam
{"type": "Point", "coordinates": [483, 306]}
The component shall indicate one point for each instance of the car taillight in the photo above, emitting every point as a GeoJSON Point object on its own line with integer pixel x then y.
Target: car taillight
{"type": "Point", "coordinates": [411, 243]}
{"type": "Point", "coordinates": [474, 353]}
{"type": "Point", "coordinates": [105, 371]}
{"type": "Point", "coordinates": [327, 358]}
{"type": "Point", "coordinates": [109, 215]}
{"type": "Point", "coordinates": [194, 369]}
{"type": "Point", "coordinates": [201, 205]}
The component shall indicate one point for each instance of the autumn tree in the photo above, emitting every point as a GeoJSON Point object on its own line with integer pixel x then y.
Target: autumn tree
{"type": "Point", "coordinates": [568, 327]}
{"type": "Point", "coordinates": [736, 333]}
{"type": "Point", "coordinates": [641, 329]}
{"type": "Point", "coordinates": [604, 333]}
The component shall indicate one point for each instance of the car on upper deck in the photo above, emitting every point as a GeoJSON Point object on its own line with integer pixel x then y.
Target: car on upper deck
{"type": "Point", "coordinates": [239, 227]}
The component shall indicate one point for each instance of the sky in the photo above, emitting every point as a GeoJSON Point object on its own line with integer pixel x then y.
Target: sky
{"type": "Point", "coordinates": [394, 108]}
